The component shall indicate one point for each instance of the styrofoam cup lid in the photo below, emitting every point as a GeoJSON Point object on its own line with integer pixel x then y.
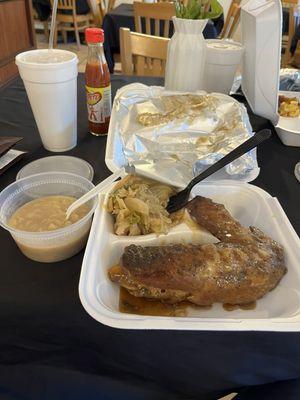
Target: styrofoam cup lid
{"type": "Point", "coordinates": [223, 52]}
{"type": "Point", "coordinates": [69, 164]}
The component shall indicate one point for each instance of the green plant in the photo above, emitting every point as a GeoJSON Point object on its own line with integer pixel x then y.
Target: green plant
{"type": "Point", "coordinates": [198, 9]}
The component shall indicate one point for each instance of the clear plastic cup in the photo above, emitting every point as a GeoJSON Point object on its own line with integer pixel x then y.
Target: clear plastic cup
{"type": "Point", "coordinates": [50, 79]}
{"type": "Point", "coordinates": [68, 164]}
{"type": "Point", "coordinates": [54, 245]}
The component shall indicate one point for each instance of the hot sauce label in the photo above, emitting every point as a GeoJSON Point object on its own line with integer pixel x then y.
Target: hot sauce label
{"type": "Point", "coordinates": [98, 103]}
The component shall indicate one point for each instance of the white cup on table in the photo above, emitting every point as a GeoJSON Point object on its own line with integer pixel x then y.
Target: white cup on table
{"type": "Point", "coordinates": [50, 79]}
{"type": "Point", "coordinates": [222, 60]}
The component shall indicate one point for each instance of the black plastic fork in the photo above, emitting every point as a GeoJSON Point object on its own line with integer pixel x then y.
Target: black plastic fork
{"type": "Point", "coordinates": [180, 199]}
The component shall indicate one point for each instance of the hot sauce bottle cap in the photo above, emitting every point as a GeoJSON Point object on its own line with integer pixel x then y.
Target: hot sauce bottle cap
{"type": "Point", "coordinates": [94, 35]}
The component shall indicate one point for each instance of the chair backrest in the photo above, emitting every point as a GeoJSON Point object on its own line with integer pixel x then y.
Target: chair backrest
{"type": "Point", "coordinates": [98, 10]}
{"type": "Point", "coordinates": [156, 16]}
{"type": "Point", "coordinates": [232, 20]}
{"type": "Point", "coordinates": [66, 4]}
{"type": "Point", "coordinates": [288, 2]}
{"type": "Point", "coordinates": [142, 55]}
{"type": "Point", "coordinates": [287, 40]}
{"type": "Point", "coordinates": [291, 10]}
{"type": "Point", "coordinates": [110, 5]}
{"type": "Point", "coordinates": [34, 13]}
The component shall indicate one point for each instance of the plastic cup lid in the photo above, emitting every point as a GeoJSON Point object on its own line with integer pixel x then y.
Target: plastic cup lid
{"type": "Point", "coordinates": [70, 164]}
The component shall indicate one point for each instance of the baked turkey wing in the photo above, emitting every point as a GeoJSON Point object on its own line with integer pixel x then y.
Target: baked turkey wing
{"type": "Point", "coordinates": [244, 266]}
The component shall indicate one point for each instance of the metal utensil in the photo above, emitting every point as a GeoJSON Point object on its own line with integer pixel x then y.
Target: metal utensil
{"type": "Point", "coordinates": [180, 199]}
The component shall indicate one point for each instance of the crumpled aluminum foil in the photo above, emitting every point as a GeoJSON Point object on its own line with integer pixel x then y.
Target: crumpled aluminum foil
{"type": "Point", "coordinates": [289, 80]}
{"type": "Point", "coordinates": [180, 134]}
{"type": "Point", "coordinates": [236, 84]}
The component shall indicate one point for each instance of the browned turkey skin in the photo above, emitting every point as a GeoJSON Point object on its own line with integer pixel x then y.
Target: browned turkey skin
{"type": "Point", "coordinates": [244, 266]}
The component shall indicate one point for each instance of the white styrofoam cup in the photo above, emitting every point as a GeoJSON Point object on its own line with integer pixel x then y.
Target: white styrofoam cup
{"type": "Point", "coordinates": [50, 79]}
{"type": "Point", "coordinates": [222, 60]}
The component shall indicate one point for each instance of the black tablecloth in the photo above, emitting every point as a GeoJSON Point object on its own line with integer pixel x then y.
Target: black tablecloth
{"type": "Point", "coordinates": [50, 348]}
{"type": "Point", "coordinates": [122, 17]}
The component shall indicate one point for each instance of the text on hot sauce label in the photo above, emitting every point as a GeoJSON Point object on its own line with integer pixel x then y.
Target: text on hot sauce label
{"type": "Point", "coordinates": [98, 103]}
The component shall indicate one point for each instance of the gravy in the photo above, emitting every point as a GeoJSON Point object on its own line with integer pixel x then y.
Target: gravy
{"type": "Point", "coordinates": [246, 306]}
{"type": "Point", "coordinates": [46, 214]}
{"type": "Point", "coordinates": [139, 305]}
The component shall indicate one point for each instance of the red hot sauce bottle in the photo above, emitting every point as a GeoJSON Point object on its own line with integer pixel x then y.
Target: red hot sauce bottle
{"type": "Point", "coordinates": [97, 83]}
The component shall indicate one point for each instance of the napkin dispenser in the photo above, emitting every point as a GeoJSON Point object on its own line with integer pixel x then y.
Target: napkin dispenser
{"type": "Point", "coordinates": [261, 24]}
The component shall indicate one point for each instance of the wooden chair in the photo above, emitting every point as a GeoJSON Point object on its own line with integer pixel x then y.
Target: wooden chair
{"type": "Point", "coordinates": [290, 6]}
{"type": "Point", "coordinates": [70, 22]}
{"type": "Point", "coordinates": [142, 55]}
{"type": "Point", "coordinates": [157, 12]}
{"type": "Point", "coordinates": [98, 11]}
{"type": "Point", "coordinates": [111, 5]}
{"type": "Point", "coordinates": [41, 25]}
{"type": "Point", "coordinates": [232, 20]}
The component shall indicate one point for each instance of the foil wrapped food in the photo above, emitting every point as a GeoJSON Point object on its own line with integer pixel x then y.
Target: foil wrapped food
{"type": "Point", "coordinates": [181, 134]}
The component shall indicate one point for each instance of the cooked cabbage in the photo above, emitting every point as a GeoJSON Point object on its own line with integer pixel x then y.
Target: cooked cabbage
{"type": "Point", "coordinates": [139, 206]}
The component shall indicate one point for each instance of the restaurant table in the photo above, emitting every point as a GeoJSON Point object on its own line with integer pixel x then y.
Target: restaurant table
{"type": "Point", "coordinates": [50, 348]}
{"type": "Point", "coordinates": [122, 17]}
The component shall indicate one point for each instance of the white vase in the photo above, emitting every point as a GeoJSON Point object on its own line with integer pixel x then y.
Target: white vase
{"type": "Point", "coordinates": [186, 56]}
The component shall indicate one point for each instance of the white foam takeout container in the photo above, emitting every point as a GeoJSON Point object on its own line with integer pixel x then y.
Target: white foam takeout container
{"type": "Point", "coordinates": [279, 310]}
{"type": "Point", "coordinates": [261, 23]}
{"type": "Point", "coordinates": [261, 26]}
{"type": "Point", "coordinates": [288, 128]}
